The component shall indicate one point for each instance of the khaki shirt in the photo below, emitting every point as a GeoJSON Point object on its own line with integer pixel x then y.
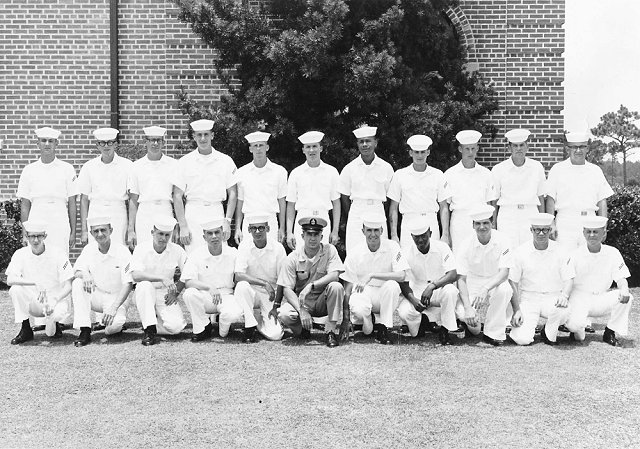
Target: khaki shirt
{"type": "Point", "coordinates": [300, 270]}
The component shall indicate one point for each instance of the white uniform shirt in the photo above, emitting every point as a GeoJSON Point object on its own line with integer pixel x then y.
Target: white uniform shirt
{"type": "Point", "coordinates": [151, 179]}
{"type": "Point", "coordinates": [366, 182]}
{"type": "Point", "coordinates": [519, 185]}
{"type": "Point", "coordinates": [54, 180]}
{"type": "Point", "coordinates": [429, 267]}
{"type": "Point", "coordinates": [313, 188]}
{"type": "Point", "coordinates": [578, 187]}
{"type": "Point", "coordinates": [418, 192]}
{"type": "Point", "coordinates": [146, 259]}
{"type": "Point", "coordinates": [260, 188]}
{"type": "Point", "coordinates": [469, 187]}
{"type": "Point", "coordinates": [482, 261]}
{"type": "Point", "coordinates": [213, 270]}
{"type": "Point", "coordinates": [110, 271]}
{"type": "Point", "coordinates": [48, 270]}
{"type": "Point", "coordinates": [205, 177]}
{"type": "Point", "coordinates": [596, 271]}
{"type": "Point", "coordinates": [262, 263]}
{"type": "Point", "coordinates": [541, 271]}
{"type": "Point", "coordinates": [361, 262]}
{"type": "Point", "coordinates": [105, 182]}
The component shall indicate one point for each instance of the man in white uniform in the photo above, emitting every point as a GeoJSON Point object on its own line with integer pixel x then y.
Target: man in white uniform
{"type": "Point", "coordinates": [418, 192]}
{"type": "Point", "coordinates": [519, 185]}
{"type": "Point", "coordinates": [256, 275]}
{"type": "Point", "coordinates": [470, 185]}
{"type": "Point", "coordinates": [150, 187]}
{"type": "Point", "coordinates": [102, 281]}
{"type": "Point", "coordinates": [262, 187]}
{"type": "Point", "coordinates": [47, 192]}
{"type": "Point", "coordinates": [153, 268]}
{"type": "Point", "coordinates": [311, 288]}
{"type": "Point", "coordinates": [596, 266]}
{"type": "Point", "coordinates": [205, 178]}
{"type": "Point", "coordinates": [483, 268]}
{"type": "Point", "coordinates": [542, 279]}
{"type": "Point", "coordinates": [312, 190]}
{"type": "Point", "coordinates": [208, 277]}
{"type": "Point", "coordinates": [40, 279]}
{"type": "Point", "coordinates": [432, 278]}
{"type": "Point", "coordinates": [372, 273]}
{"type": "Point", "coordinates": [575, 189]}
{"type": "Point", "coordinates": [103, 185]}
{"type": "Point", "coordinates": [364, 183]}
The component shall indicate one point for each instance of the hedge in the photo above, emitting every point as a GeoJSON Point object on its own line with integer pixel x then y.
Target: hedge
{"type": "Point", "coordinates": [623, 229]}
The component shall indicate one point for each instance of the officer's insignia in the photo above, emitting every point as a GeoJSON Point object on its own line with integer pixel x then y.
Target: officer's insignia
{"type": "Point", "coordinates": [313, 222]}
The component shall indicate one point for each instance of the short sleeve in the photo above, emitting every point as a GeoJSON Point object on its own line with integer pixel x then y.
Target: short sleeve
{"type": "Point", "coordinates": [65, 270]}
{"type": "Point", "coordinates": [24, 184]}
{"type": "Point", "coordinates": [70, 181]}
{"type": "Point", "coordinates": [242, 261]}
{"type": "Point", "coordinates": [395, 192]}
{"type": "Point", "coordinates": [448, 259]}
{"type": "Point", "coordinates": [190, 271]}
{"type": "Point", "coordinates": [515, 272]}
{"type": "Point", "coordinates": [349, 274]}
{"type": "Point", "coordinates": [83, 183]}
{"type": "Point", "coordinates": [334, 263]}
{"type": "Point", "coordinates": [620, 269]}
{"type": "Point", "coordinates": [287, 274]}
{"type": "Point", "coordinates": [137, 260]}
{"type": "Point", "coordinates": [82, 263]}
{"type": "Point", "coordinates": [282, 182]}
{"type": "Point", "coordinates": [399, 262]}
{"type": "Point", "coordinates": [344, 181]}
{"type": "Point", "coordinates": [567, 269]}
{"type": "Point", "coordinates": [15, 265]}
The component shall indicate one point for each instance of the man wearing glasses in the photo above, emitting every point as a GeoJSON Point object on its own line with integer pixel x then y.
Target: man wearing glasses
{"type": "Point", "coordinates": [150, 187]}
{"type": "Point", "coordinates": [542, 278]}
{"type": "Point", "coordinates": [40, 279]}
{"type": "Point", "coordinates": [102, 184]}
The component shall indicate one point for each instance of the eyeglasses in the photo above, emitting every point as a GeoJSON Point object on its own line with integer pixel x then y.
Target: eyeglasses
{"type": "Point", "coordinates": [105, 143]}
{"type": "Point", "coordinates": [544, 231]}
{"type": "Point", "coordinates": [35, 236]}
{"type": "Point", "coordinates": [260, 228]}
{"type": "Point", "coordinates": [154, 140]}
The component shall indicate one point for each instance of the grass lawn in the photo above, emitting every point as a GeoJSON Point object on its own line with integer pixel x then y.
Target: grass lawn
{"type": "Point", "coordinates": [117, 393]}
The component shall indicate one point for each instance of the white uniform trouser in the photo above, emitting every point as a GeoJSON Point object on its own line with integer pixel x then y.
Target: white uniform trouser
{"type": "Point", "coordinates": [382, 300]}
{"type": "Point", "coordinates": [493, 315]}
{"type": "Point", "coordinates": [25, 304]}
{"type": "Point", "coordinates": [444, 298]}
{"type": "Point", "coordinates": [460, 228]}
{"type": "Point", "coordinates": [569, 227]}
{"type": "Point", "coordinates": [200, 305]}
{"type": "Point", "coordinates": [117, 213]}
{"type": "Point", "coordinates": [514, 221]}
{"type": "Point", "coordinates": [196, 213]}
{"type": "Point", "coordinates": [84, 303]}
{"type": "Point", "coordinates": [55, 214]}
{"type": "Point", "coordinates": [409, 221]}
{"type": "Point", "coordinates": [145, 217]}
{"type": "Point", "coordinates": [329, 303]}
{"type": "Point", "coordinates": [250, 298]}
{"type": "Point", "coordinates": [297, 230]}
{"type": "Point", "coordinates": [359, 209]}
{"type": "Point", "coordinates": [533, 305]}
{"type": "Point", "coordinates": [273, 228]}
{"type": "Point", "coordinates": [584, 304]}
{"type": "Point", "coordinates": [153, 310]}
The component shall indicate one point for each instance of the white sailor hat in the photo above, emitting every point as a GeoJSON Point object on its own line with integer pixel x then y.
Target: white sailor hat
{"type": "Point", "coordinates": [577, 137]}
{"type": "Point", "coordinates": [97, 221]}
{"type": "Point", "coordinates": [154, 131]}
{"type": "Point", "coordinates": [256, 218]}
{"type": "Point", "coordinates": [483, 212]}
{"type": "Point", "coordinates": [311, 137]}
{"type": "Point", "coordinates": [257, 136]}
{"type": "Point", "coordinates": [517, 135]}
{"type": "Point", "coordinates": [365, 131]}
{"type": "Point", "coordinates": [164, 224]}
{"type": "Point", "coordinates": [34, 226]}
{"type": "Point", "coordinates": [419, 142]}
{"type": "Point", "coordinates": [420, 227]}
{"type": "Point", "coordinates": [594, 222]}
{"type": "Point", "coordinates": [373, 221]}
{"type": "Point", "coordinates": [47, 133]}
{"type": "Point", "coordinates": [105, 134]}
{"type": "Point", "coordinates": [312, 223]}
{"type": "Point", "coordinates": [468, 137]}
{"type": "Point", "coordinates": [202, 125]}
{"type": "Point", "coordinates": [541, 219]}
{"type": "Point", "coordinates": [213, 223]}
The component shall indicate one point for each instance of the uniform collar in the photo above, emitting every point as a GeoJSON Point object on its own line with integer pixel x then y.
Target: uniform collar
{"type": "Point", "coordinates": [302, 257]}
{"type": "Point", "coordinates": [308, 167]}
{"type": "Point", "coordinates": [376, 160]}
{"type": "Point", "coordinates": [267, 166]}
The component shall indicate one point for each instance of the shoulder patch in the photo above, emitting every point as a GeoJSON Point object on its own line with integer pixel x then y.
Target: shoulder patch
{"type": "Point", "coordinates": [505, 251]}
{"type": "Point", "coordinates": [398, 256]}
{"type": "Point", "coordinates": [66, 264]}
{"type": "Point", "coordinates": [126, 269]}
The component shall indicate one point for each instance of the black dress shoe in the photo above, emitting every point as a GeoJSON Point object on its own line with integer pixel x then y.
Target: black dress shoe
{"type": "Point", "coordinates": [383, 335]}
{"type": "Point", "coordinates": [443, 337]}
{"type": "Point", "coordinates": [609, 337]}
{"type": "Point", "coordinates": [590, 330]}
{"type": "Point", "coordinates": [149, 338]}
{"type": "Point", "coordinates": [204, 335]}
{"type": "Point", "coordinates": [424, 325]}
{"type": "Point", "coordinates": [492, 341]}
{"type": "Point", "coordinates": [332, 340]}
{"type": "Point", "coordinates": [25, 334]}
{"type": "Point", "coordinates": [249, 335]}
{"type": "Point", "coordinates": [545, 339]}
{"type": "Point", "coordinates": [84, 338]}
{"type": "Point", "coordinates": [305, 334]}
{"type": "Point", "coordinates": [58, 333]}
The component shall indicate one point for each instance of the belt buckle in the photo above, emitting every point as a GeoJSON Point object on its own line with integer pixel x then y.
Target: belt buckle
{"type": "Point", "coordinates": [583, 213]}
{"type": "Point", "coordinates": [370, 202]}
{"type": "Point", "coordinates": [520, 206]}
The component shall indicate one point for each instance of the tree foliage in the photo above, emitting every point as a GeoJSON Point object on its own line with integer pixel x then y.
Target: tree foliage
{"type": "Point", "coordinates": [331, 65]}
{"type": "Point", "coordinates": [623, 228]}
{"type": "Point", "coordinates": [620, 127]}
